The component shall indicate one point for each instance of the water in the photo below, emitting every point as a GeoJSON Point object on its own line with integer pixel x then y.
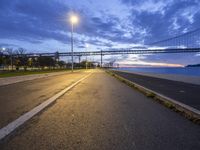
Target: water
{"type": "Point", "coordinates": [189, 71]}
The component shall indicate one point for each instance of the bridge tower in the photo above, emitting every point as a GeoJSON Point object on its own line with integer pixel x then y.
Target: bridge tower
{"type": "Point", "coordinates": [79, 59]}
{"type": "Point", "coordinates": [101, 59]}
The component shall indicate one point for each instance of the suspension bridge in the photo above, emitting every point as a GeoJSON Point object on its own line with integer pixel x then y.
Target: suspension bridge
{"type": "Point", "coordinates": [186, 43]}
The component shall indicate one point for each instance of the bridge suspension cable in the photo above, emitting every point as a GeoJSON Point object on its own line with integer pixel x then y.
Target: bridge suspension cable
{"type": "Point", "coordinates": [187, 40]}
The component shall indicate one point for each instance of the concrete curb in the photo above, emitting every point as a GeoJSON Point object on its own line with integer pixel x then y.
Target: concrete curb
{"type": "Point", "coordinates": [185, 110]}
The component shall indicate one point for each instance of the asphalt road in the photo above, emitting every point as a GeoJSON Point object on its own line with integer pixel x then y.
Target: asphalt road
{"type": "Point", "coordinates": [102, 113]}
{"type": "Point", "coordinates": [184, 92]}
{"type": "Point", "coordinates": [18, 98]}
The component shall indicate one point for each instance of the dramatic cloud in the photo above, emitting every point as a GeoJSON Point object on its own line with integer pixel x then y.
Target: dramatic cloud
{"type": "Point", "coordinates": [165, 18]}
{"type": "Point", "coordinates": [43, 25]}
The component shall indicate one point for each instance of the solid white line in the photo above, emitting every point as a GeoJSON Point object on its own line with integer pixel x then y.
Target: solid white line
{"type": "Point", "coordinates": [25, 117]}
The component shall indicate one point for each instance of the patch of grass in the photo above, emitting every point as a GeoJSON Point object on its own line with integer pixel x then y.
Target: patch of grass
{"type": "Point", "coordinates": [22, 73]}
{"type": "Point", "coordinates": [150, 95]}
{"type": "Point", "coordinates": [169, 105]}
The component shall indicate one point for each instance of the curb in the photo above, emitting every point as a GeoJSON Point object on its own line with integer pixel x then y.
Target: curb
{"type": "Point", "coordinates": [183, 109]}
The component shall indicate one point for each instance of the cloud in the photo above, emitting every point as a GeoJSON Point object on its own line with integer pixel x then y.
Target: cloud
{"type": "Point", "coordinates": [43, 25]}
{"type": "Point", "coordinates": [198, 54]}
{"type": "Point", "coordinates": [32, 21]}
{"type": "Point", "coordinates": [147, 20]}
{"type": "Point", "coordinates": [7, 45]}
{"type": "Point", "coordinates": [149, 6]}
{"type": "Point", "coordinates": [41, 20]}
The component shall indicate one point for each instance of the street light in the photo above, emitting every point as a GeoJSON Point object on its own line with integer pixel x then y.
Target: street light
{"type": "Point", "coordinates": [73, 20]}
{"type": "Point", "coordinates": [86, 46]}
{"type": "Point", "coordinates": [2, 50]}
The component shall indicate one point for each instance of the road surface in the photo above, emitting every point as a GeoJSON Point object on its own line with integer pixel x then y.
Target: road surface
{"type": "Point", "coordinates": [184, 92]}
{"type": "Point", "coordinates": [18, 98]}
{"type": "Point", "coordinates": [102, 113]}
{"type": "Point", "coordinates": [17, 79]}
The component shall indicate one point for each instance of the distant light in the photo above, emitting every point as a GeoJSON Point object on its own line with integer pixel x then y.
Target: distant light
{"type": "Point", "coordinates": [86, 45]}
{"type": "Point", "coordinates": [3, 49]}
{"type": "Point", "coordinates": [73, 19]}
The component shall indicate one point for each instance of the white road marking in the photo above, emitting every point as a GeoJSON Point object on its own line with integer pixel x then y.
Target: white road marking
{"type": "Point", "coordinates": [25, 117]}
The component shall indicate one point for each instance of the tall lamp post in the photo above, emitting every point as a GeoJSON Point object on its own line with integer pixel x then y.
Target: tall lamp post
{"type": "Point", "coordinates": [86, 63]}
{"type": "Point", "coordinates": [73, 20]}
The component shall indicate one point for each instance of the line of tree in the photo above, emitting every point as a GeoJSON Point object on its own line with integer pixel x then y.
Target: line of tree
{"type": "Point", "coordinates": [17, 59]}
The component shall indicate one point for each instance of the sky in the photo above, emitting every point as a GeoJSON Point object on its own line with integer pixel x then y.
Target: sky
{"type": "Point", "coordinates": [43, 26]}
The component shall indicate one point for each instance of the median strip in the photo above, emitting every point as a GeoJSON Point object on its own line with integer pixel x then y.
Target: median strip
{"type": "Point", "coordinates": [25, 117]}
{"type": "Point", "coordinates": [187, 111]}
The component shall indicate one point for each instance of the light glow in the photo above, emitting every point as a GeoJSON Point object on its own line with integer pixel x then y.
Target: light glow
{"type": "Point", "coordinates": [148, 64]}
{"type": "Point", "coordinates": [73, 19]}
{"type": "Point", "coordinates": [86, 45]}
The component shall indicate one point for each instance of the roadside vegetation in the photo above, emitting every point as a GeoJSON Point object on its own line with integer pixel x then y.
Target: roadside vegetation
{"type": "Point", "coordinates": [16, 63]}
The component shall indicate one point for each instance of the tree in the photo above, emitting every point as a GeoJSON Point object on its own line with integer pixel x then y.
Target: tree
{"type": "Point", "coordinates": [61, 64]}
{"type": "Point", "coordinates": [1, 60]}
{"type": "Point", "coordinates": [45, 61]}
{"type": "Point", "coordinates": [22, 59]}
{"type": "Point", "coordinates": [21, 51]}
{"type": "Point", "coordinates": [35, 62]}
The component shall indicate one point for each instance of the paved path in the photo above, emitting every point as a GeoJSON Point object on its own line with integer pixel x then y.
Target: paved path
{"type": "Point", "coordinates": [17, 79]}
{"type": "Point", "coordinates": [184, 92]}
{"type": "Point", "coordinates": [16, 99]}
{"type": "Point", "coordinates": [102, 113]}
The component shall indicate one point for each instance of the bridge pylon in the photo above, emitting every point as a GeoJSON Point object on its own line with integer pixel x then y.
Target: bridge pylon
{"type": "Point", "coordinates": [101, 59]}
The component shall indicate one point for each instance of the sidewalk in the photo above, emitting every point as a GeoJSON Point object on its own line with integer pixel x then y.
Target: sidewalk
{"type": "Point", "coordinates": [11, 80]}
{"type": "Point", "coordinates": [185, 93]}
